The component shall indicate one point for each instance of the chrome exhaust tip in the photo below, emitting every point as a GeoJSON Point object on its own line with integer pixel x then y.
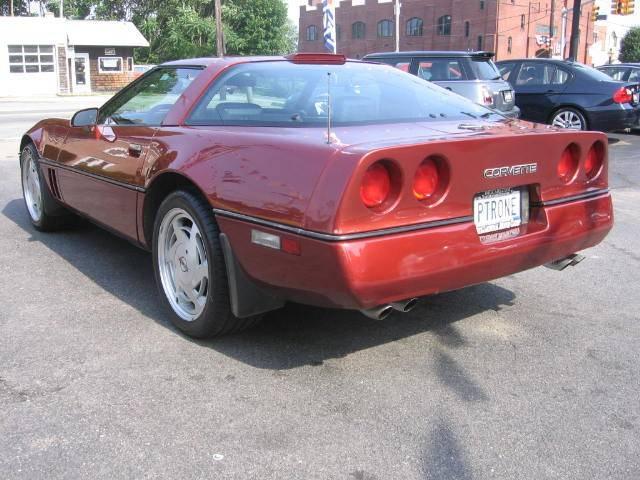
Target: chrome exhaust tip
{"type": "Point", "coordinates": [405, 305]}
{"type": "Point", "coordinates": [568, 261]}
{"type": "Point", "coordinates": [378, 313]}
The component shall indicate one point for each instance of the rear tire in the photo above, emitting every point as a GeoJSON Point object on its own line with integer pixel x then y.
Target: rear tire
{"type": "Point", "coordinates": [569, 118]}
{"type": "Point", "coordinates": [45, 213]}
{"type": "Point", "coordinates": [190, 270]}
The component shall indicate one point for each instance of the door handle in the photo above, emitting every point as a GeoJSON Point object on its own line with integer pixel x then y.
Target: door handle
{"type": "Point", "coordinates": [135, 149]}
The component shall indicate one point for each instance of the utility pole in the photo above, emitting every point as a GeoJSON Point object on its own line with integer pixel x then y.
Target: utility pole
{"type": "Point", "coordinates": [61, 8]}
{"type": "Point", "coordinates": [219, 37]}
{"type": "Point", "coordinates": [552, 18]}
{"type": "Point", "coordinates": [396, 10]}
{"type": "Point", "coordinates": [575, 31]}
{"type": "Point", "coordinates": [11, 7]}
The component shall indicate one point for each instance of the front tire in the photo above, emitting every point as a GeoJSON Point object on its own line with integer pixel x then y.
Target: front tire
{"type": "Point", "coordinates": [189, 268]}
{"type": "Point", "coordinates": [45, 213]}
{"type": "Point", "coordinates": [569, 118]}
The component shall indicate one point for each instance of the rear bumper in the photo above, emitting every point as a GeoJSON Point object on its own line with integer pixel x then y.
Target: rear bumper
{"type": "Point", "coordinates": [513, 113]}
{"type": "Point", "coordinates": [613, 117]}
{"type": "Point", "coordinates": [368, 272]}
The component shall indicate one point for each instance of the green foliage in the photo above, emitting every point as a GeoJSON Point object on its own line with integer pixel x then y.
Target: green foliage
{"type": "Point", "coordinates": [186, 28]}
{"type": "Point", "coordinates": [77, 9]}
{"type": "Point", "coordinates": [257, 27]}
{"type": "Point", "coordinates": [630, 46]}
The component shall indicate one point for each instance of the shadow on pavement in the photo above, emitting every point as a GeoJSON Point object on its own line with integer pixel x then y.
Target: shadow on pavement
{"type": "Point", "coordinates": [294, 336]}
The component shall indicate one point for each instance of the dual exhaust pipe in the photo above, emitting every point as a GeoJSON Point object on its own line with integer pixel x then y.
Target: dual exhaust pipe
{"type": "Point", "coordinates": [383, 311]}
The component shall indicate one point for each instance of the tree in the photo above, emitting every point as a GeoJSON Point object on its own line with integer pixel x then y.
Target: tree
{"type": "Point", "coordinates": [257, 27]}
{"type": "Point", "coordinates": [630, 46]}
{"type": "Point", "coordinates": [20, 7]}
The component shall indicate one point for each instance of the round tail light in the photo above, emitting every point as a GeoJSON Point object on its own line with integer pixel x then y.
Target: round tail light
{"type": "Point", "coordinates": [568, 164]}
{"type": "Point", "coordinates": [426, 180]}
{"type": "Point", "coordinates": [376, 185]}
{"type": "Point", "coordinates": [593, 162]}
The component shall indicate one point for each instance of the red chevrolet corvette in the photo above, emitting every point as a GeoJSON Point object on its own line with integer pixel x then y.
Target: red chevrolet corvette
{"type": "Point", "coordinates": [313, 179]}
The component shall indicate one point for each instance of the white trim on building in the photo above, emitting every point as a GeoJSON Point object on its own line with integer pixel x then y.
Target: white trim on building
{"type": "Point", "coordinates": [46, 45]}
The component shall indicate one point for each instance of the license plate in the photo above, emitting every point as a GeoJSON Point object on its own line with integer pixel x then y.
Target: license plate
{"type": "Point", "coordinates": [507, 95]}
{"type": "Point", "coordinates": [497, 210]}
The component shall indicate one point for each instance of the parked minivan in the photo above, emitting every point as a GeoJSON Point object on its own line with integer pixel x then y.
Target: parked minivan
{"type": "Point", "coordinates": [470, 74]}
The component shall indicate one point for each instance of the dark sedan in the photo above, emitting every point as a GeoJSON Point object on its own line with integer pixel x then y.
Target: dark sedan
{"type": "Point", "coordinates": [623, 72]}
{"type": "Point", "coordinates": [571, 95]}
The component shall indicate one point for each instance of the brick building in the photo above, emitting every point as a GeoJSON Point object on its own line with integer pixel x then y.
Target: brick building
{"type": "Point", "coordinates": [510, 28]}
{"type": "Point", "coordinates": [48, 55]}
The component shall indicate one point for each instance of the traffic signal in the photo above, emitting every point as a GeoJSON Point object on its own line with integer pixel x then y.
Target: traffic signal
{"type": "Point", "coordinates": [629, 7]}
{"type": "Point", "coordinates": [617, 7]}
{"type": "Point", "coordinates": [622, 7]}
{"type": "Point", "coordinates": [595, 13]}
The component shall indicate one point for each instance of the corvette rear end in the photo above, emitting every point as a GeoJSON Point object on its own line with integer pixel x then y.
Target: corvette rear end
{"type": "Point", "coordinates": [424, 218]}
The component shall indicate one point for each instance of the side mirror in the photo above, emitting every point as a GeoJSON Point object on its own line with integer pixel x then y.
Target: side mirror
{"type": "Point", "coordinates": [85, 118]}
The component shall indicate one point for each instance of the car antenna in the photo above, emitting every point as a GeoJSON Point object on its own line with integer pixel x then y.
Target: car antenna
{"type": "Point", "coordinates": [328, 108]}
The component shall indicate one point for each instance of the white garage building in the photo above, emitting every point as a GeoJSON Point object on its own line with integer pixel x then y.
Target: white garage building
{"type": "Point", "coordinates": [49, 56]}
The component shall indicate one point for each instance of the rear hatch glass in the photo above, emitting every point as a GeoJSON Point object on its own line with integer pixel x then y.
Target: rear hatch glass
{"type": "Point", "coordinates": [484, 69]}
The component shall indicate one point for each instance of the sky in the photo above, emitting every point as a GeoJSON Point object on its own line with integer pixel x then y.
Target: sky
{"type": "Point", "coordinates": [294, 10]}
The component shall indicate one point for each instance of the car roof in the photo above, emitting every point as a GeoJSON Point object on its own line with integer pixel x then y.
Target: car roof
{"type": "Point", "coordinates": [206, 61]}
{"type": "Point", "coordinates": [557, 61]}
{"type": "Point", "coordinates": [430, 53]}
{"type": "Point", "coordinates": [614, 65]}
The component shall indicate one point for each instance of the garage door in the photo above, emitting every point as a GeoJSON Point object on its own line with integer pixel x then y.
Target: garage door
{"type": "Point", "coordinates": [32, 70]}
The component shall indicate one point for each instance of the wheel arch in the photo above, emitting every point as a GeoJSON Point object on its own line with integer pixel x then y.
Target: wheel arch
{"type": "Point", "coordinates": [160, 187]}
{"type": "Point", "coordinates": [572, 107]}
{"type": "Point", "coordinates": [26, 139]}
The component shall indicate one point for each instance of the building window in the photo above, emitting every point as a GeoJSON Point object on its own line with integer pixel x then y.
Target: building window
{"type": "Point", "coordinates": [481, 4]}
{"type": "Point", "coordinates": [385, 28]}
{"type": "Point", "coordinates": [338, 32]}
{"type": "Point", "coordinates": [312, 33]}
{"type": "Point", "coordinates": [522, 21]}
{"type": "Point", "coordinates": [479, 42]}
{"type": "Point", "coordinates": [130, 64]}
{"type": "Point", "coordinates": [414, 27]}
{"type": "Point", "coordinates": [509, 44]}
{"type": "Point", "coordinates": [357, 30]}
{"type": "Point", "coordinates": [31, 59]}
{"type": "Point", "coordinates": [467, 27]}
{"type": "Point", "coordinates": [444, 25]}
{"type": "Point", "coordinates": [109, 64]}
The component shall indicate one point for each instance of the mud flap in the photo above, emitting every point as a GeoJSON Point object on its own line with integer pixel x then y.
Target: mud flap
{"type": "Point", "coordinates": [245, 296]}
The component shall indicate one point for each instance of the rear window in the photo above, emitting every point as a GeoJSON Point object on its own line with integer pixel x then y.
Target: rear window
{"type": "Point", "coordinates": [617, 73]}
{"type": "Point", "coordinates": [285, 94]}
{"type": "Point", "coordinates": [441, 70]}
{"type": "Point", "coordinates": [591, 72]}
{"type": "Point", "coordinates": [484, 69]}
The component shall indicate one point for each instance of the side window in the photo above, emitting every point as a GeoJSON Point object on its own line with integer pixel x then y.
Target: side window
{"type": "Point", "coordinates": [440, 70]}
{"type": "Point", "coordinates": [635, 75]}
{"type": "Point", "coordinates": [506, 69]}
{"type": "Point", "coordinates": [560, 77]}
{"type": "Point", "coordinates": [535, 73]}
{"type": "Point", "coordinates": [403, 64]}
{"type": "Point", "coordinates": [148, 101]}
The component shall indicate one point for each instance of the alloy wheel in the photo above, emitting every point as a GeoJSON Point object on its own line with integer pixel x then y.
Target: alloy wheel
{"type": "Point", "coordinates": [183, 264]}
{"type": "Point", "coordinates": [568, 119]}
{"type": "Point", "coordinates": [31, 186]}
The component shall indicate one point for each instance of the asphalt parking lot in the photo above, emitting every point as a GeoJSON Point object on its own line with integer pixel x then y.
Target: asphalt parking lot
{"type": "Point", "coordinates": [534, 376]}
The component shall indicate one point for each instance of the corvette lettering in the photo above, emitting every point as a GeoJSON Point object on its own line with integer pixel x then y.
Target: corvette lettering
{"type": "Point", "coordinates": [512, 171]}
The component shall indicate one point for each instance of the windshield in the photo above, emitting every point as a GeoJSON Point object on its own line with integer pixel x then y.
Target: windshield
{"type": "Point", "coordinates": [484, 69]}
{"type": "Point", "coordinates": [280, 93]}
